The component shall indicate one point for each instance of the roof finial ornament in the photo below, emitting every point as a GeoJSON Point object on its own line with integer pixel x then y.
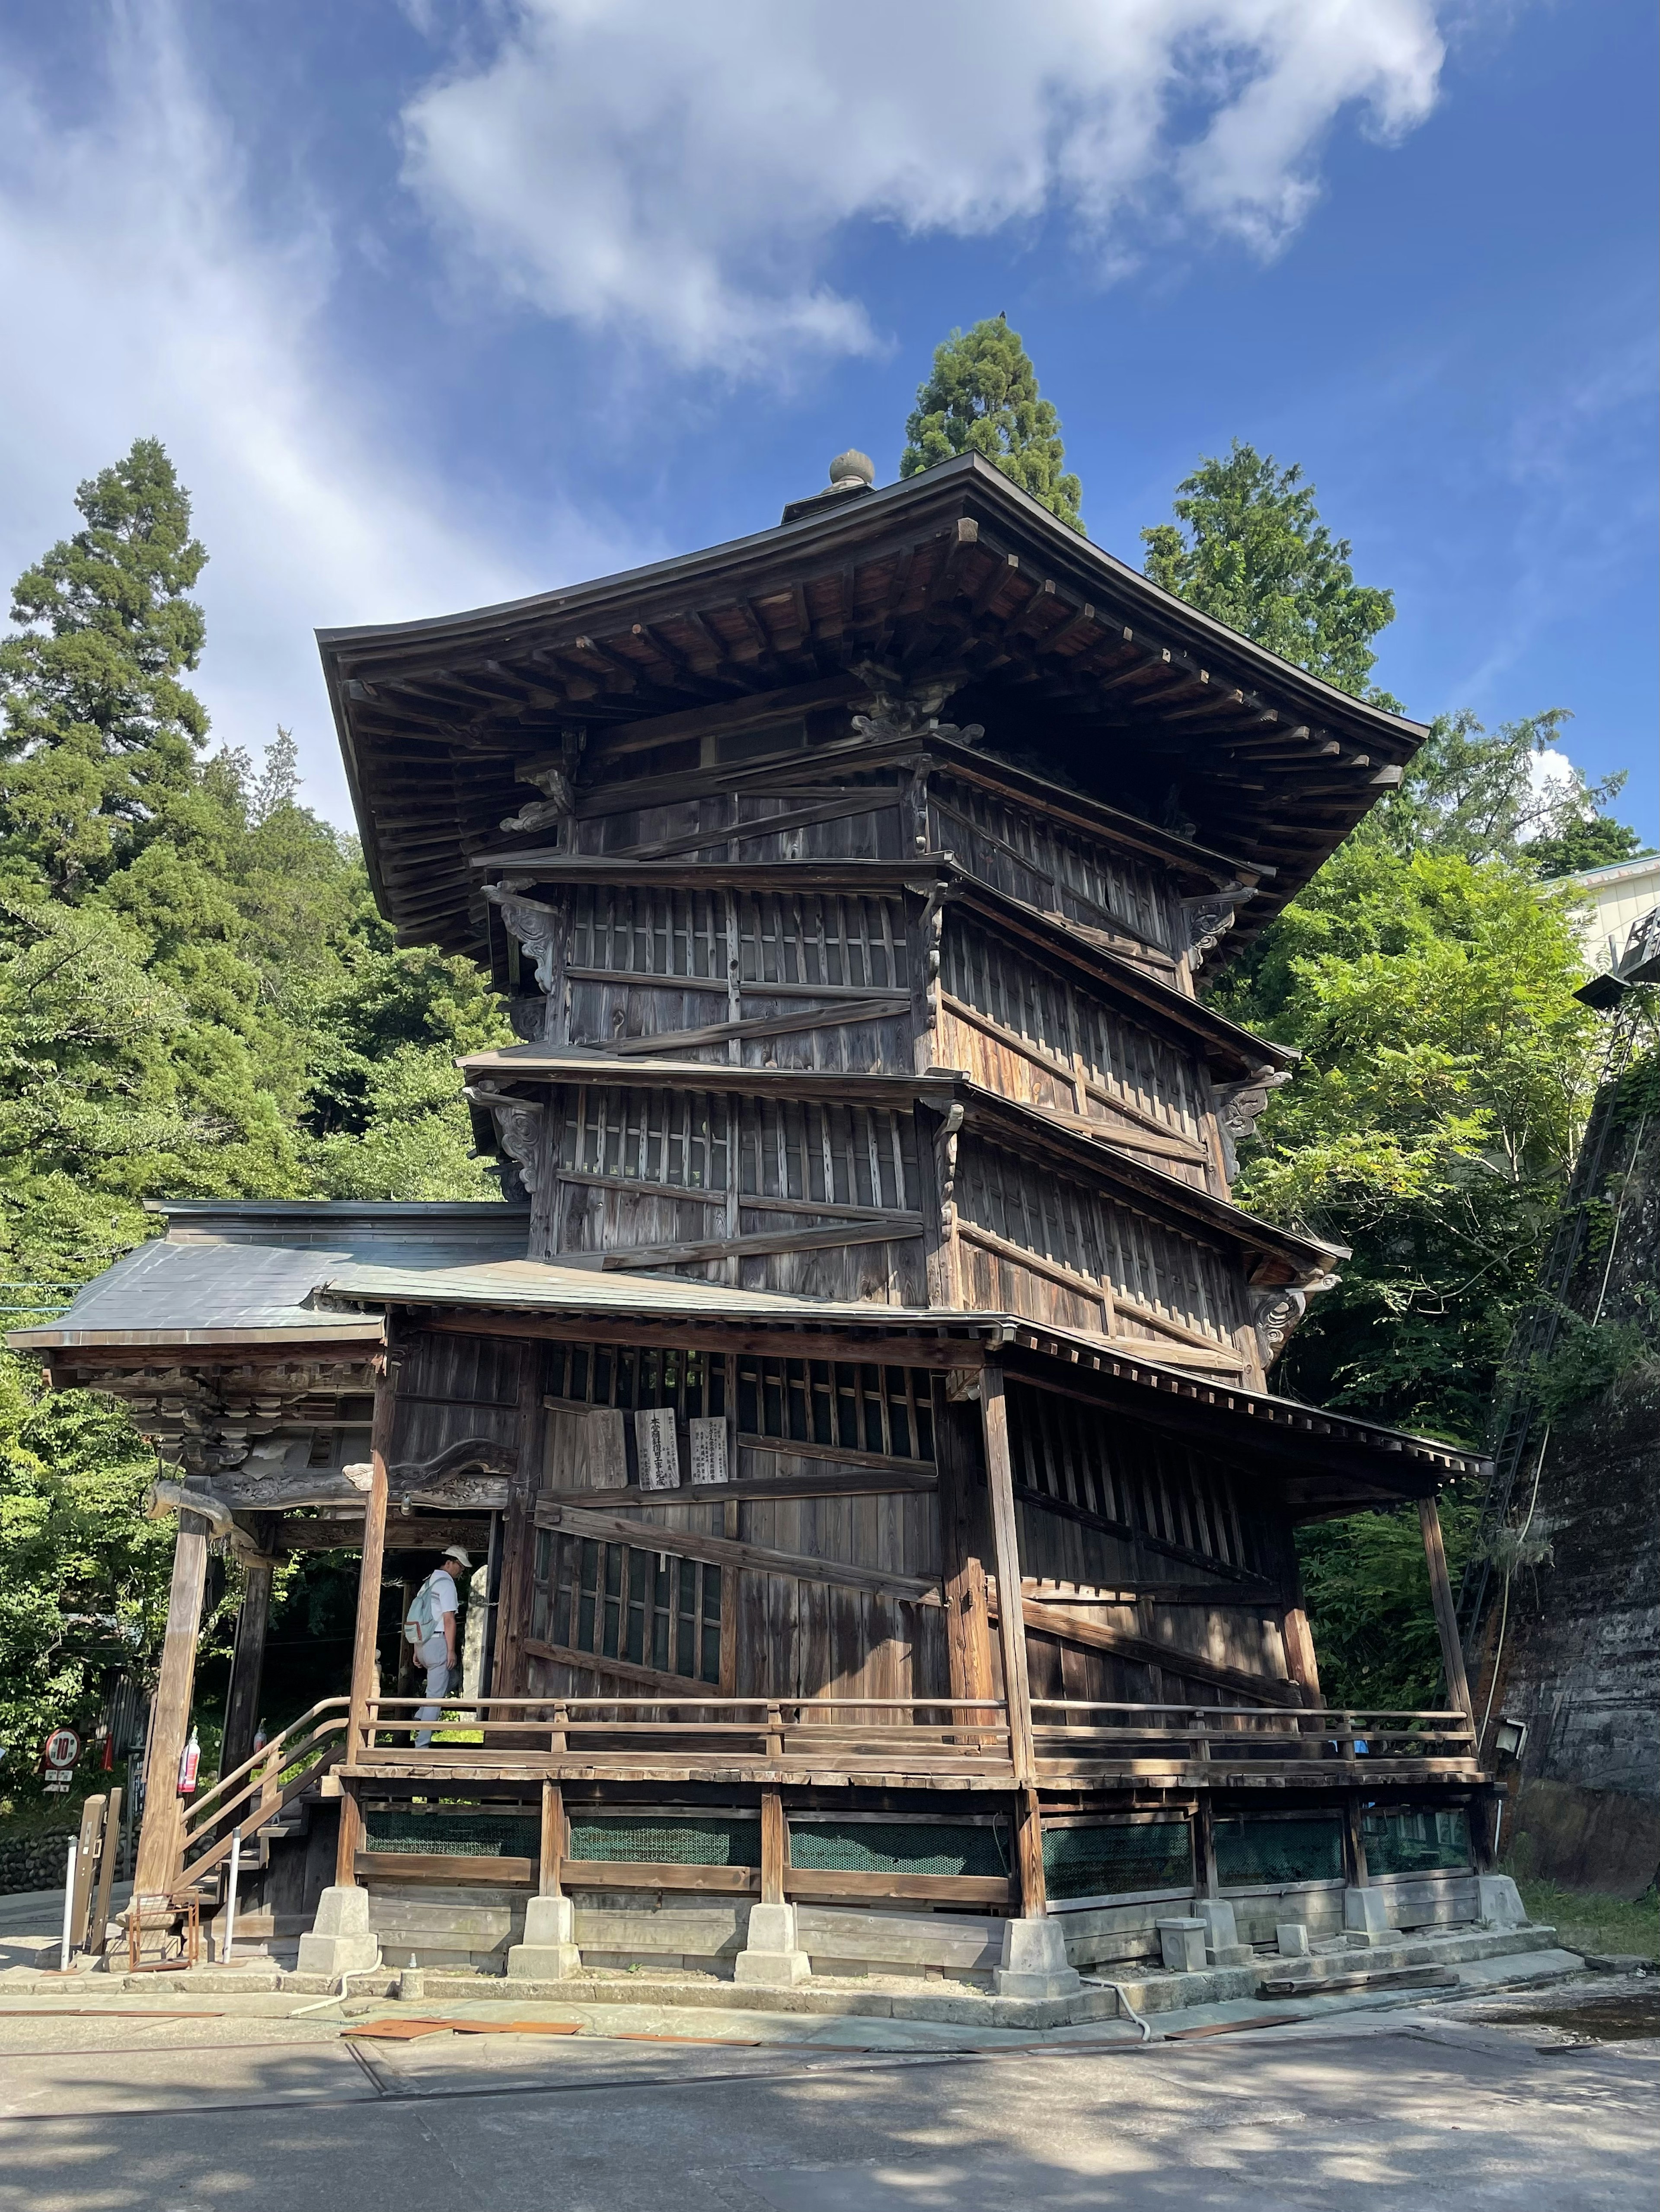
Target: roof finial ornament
{"type": "Point", "coordinates": [851, 468]}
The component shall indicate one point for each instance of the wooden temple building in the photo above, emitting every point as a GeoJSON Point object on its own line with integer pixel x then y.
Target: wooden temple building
{"type": "Point", "coordinates": [861, 1405]}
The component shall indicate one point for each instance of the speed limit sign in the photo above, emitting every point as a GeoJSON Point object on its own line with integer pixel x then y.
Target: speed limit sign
{"type": "Point", "coordinates": [61, 1750]}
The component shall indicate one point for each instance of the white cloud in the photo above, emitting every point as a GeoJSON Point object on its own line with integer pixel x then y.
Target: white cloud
{"type": "Point", "coordinates": [143, 298]}
{"type": "Point", "coordinates": [679, 174]}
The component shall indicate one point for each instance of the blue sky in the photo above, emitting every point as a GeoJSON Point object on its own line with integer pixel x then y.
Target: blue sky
{"type": "Point", "coordinates": [434, 304]}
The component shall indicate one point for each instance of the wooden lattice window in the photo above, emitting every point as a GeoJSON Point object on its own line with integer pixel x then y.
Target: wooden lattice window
{"type": "Point", "coordinates": [859, 1407]}
{"type": "Point", "coordinates": [674, 1137]}
{"type": "Point", "coordinates": [838, 944]}
{"type": "Point", "coordinates": [1062, 1449]}
{"type": "Point", "coordinates": [646, 1607]}
{"type": "Point", "coordinates": [834, 1156]}
{"type": "Point", "coordinates": [638, 1375]}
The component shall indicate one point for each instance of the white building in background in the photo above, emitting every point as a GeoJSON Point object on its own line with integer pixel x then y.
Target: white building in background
{"type": "Point", "coordinates": [1619, 897]}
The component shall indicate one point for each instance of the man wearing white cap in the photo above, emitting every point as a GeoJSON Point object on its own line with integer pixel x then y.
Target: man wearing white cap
{"type": "Point", "coordinates": [430, 1627]}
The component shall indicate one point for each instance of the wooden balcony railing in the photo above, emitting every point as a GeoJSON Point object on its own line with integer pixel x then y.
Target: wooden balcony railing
{"type": "Point", "coordinates": [256, 1793]}
{"type": "Point", "coordinates": [1136, 1736]}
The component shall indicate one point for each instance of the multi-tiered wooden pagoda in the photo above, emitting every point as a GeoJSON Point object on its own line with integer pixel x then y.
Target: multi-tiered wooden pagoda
{"type": "Point", "coordinates": [863, 1405]}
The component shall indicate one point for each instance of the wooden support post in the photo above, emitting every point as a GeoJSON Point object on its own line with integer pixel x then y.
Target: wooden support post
{"type": "Point", "coordinates": [774, 1847]}
{"type": "Point", "coordinates": [1010, 1620]}
{"type": "Point", "coordinates": [1447, 1615]}
{"type": "Point", "coordinates": [157, 1871]}
{"type": "Point", "coordinates": [365, 1643]}
{"type": "Point", "coordinates": [968, 1616]}
{"type": "Point", "coordinates": [1029, 1856]}
{"type": "Point", "coordinates": [519, 1529]}
{"type": "Point", "coordinates": [86, 1860]}
{"type": "Point", "coordinates": [1204, 1848]}
{"type": "Point", "coordinates": [248, 1665]}
{"type": "Point", "coordinates": [552, 1856]}
{"type": "Point", "coordinates": [107, 1858]}
{"type": "Point", "coordinates": [1358, 1874]}
{"type": "Point", "coordinates": [1301, 1664]}
{"type": "Point", "coordinates": [405, 1649]}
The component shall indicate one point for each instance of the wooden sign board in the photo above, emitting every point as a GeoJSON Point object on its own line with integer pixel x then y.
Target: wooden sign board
{"type": "Point", "coordinates": [709, 1450]}
{"type": "Point", "coordinates": [659, 1449]}
{"type": "Point", "coordinates": [608, 1453]}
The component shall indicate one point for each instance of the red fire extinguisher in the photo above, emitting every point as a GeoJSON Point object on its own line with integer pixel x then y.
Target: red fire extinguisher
{"type": "Point", "coordinates": [189, 1760]}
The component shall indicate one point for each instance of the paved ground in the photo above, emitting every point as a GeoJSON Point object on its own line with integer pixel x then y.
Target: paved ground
{"type": "Point", "coordinates": [1409, 2108]}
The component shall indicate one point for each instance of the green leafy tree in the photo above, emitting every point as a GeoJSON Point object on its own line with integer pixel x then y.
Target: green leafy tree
{"type": "Point", "coordinates": [1503, 795]}
{"type": "Point", "coordinates": [197, 999]}
{"type": "Point", "coordinates": [1249, 547]}
{"type": "Point", "coordinates": [982, 398]}
{"type": "Point", "coordinates": [1595, 840]}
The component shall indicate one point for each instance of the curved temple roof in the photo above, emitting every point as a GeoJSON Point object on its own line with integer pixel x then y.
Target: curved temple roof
{"type": "Point", "coordinates": [1076, 666]}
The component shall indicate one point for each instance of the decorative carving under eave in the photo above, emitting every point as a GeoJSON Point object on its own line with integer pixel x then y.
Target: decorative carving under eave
{"type": "Point", "coordinates": [1209, 917]}
{"type": "Point", "coordinates": [1237, 1107]}
{"type": "Point", "coordinates": [945, 1140]}
{"type": "Point", "coordinates": [517, 1128]}
{"type": "Point", "coordinates": [898, 710]}
{"type": "Point", "coordinates": [1276, 1310]}
{"type": "Point", "coordinates": [538, 928]}
{"type": "Point", "coordinates": [556, 781]}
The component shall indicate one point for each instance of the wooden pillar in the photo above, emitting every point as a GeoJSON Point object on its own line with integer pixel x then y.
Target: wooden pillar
{"type": "Point", "coordinates": [1447, 1615]}
{"type": "Point", "coordinates": [1011, 1615]}
{"type": "Point", "coordinates": [157, 1870]}
{"type": "Point", "coordinates": [86, 1862]}
{"type": "Point", "coordinates": [107, 1858]}
{"type": "Point", "coordinates": [519, 1530]}
{"type": "Point", "coordinates": [1360, 1876]}
{"type": "Point", "coordinates": [774, 1847]}
{"type": "Point", "coordinates": [551, 1860]}
{"type": "Point", "coordinates": [366, 1640]}
{"type": "Point", "coordinates": [1301, 1665]}
{"type": "Point", "coordinates": [1204, 1848]}
{"type": "Point", "coordinates": [968, 1615]}
{"type": "Point", "coordinates": [1029, 1856]}
{"type": "Point", "coordinates": [247, 1666]}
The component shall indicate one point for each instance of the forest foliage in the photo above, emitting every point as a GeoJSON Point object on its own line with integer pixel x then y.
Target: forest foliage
{"type": "Point", "coordinates": [197, 999]}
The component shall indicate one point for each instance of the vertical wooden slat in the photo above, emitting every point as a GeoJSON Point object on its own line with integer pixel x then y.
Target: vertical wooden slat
{"type": "Point", "coordinates": [1204, 1839]}
{"type": "Point", "coordinates": [773, 1847]}
{"type": "Point", "coordinates": [1446, 1616]}
{"type": "Point", "coordinates": [157, 1869]}
{"type": "Point", "coordinates": [1358, 1873]}
{"type": "Point", "coordinates": [994, 1410]}
{"type": "Point", "coordinates": [968, 1618]}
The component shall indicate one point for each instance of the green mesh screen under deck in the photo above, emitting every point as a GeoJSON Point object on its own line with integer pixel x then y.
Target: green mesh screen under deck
{"type": "Point", "coordinates": [895, 1847]}
{"type": "Point", "coordinates": [1402, 1841]}
{"type": "Point", "coordinates": [454, 1835]}
{"type": "Point", "coordinates": [678, 1843]}
{"type": "Point", "coordinates": [1249, 1851]}
{"type": "Point", "coordinates": [1151, 1854]}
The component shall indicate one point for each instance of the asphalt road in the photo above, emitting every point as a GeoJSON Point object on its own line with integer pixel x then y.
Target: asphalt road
{"type": "Point", "coordinates": [1408, 2111]}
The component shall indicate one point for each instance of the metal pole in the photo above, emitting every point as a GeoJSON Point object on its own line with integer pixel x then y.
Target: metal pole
{"type": "Point", "coordinates": [230, 1902]}
{"type": "Point", "coordinates": [68, 1907]}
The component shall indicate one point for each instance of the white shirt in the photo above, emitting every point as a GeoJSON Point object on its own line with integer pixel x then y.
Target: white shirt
{"type": "Point", "coordinates": [441, 1584]}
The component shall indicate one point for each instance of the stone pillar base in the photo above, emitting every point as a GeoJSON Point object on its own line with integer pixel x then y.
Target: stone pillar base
{"type": "Point", "coordinates": [1499, 1902]}
{"type": "Point", "coordinates": [1292, 1937]}
{"type": "Point", "coordinates": [341, 1940]}
{"type": "Point", "coordinates": [1222, 1944]}
{"type": "Point", "coordinates": [549, 1952]}
{"type": "Point", "coordinates": [772, 1955]}
{"type": "Point", "coordinates": [1181, 1944]}
{"type": "Point", "coordinates": [1366, 1916]}
{"type": "Point", "coordinates": [1035, 1961]}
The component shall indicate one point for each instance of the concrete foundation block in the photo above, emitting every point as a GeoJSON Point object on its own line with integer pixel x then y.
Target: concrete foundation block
{"type": "Point", "coordinates": [1366, 1915]}
{"type": "Point", "coordinates": [341, 1940]}
{"type": "Point", "coordinates": [1292, 1939]}
{"type": "Point", "coordinates": [1498, 1902]}
{"type": "Point", "coordinates": [549, 1952]}
{"type": "Point", "coordinates": [1034, 1962]}
{"type": "Point", "coordinates": [1183, 1943]}
{"type": "Point", "coordinates": [773, 1956]}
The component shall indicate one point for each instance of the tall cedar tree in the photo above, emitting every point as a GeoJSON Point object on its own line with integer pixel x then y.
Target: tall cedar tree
{"type": "Point", "coordinates": [196, 1000]}
{"type": "Point", "coordinates": [983, 397]}
{"type": "Point", "coordinates": [1248, 546]}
